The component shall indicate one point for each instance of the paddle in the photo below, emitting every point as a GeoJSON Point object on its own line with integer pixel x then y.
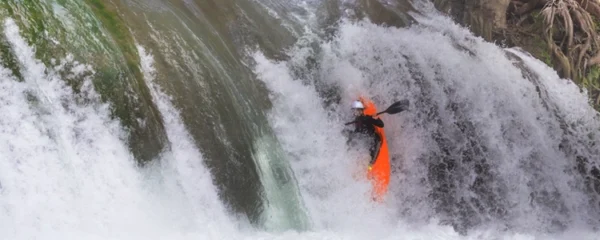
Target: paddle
{"type": "Point", "coordinates": [396, 107]}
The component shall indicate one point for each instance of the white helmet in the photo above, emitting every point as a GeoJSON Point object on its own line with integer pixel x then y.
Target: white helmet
{"type": "Point", "coordinates": [357, 105]}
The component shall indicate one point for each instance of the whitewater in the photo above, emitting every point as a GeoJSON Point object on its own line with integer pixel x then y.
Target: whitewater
{"type": "Point", "coordinates": [66, 171]}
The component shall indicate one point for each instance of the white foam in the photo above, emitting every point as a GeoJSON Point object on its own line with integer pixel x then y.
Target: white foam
{"type": "Point", "coordinates": [505, 109]}
{"type": "Point", "coordinates": [66, 172]}
{"type": "Point", "coordinates": [64, 168]}
{"type": "Point", "coordinates": [182, 167]}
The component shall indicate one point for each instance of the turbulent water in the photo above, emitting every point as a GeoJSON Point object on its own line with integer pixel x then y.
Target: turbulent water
{"type": "Point", "coordinates": [225, 120]}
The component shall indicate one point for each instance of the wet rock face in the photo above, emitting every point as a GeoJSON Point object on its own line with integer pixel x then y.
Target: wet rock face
{"type": "Point", "coordinates": [386, 14]}
{"type": "Point", "coordinates": [481, 16]}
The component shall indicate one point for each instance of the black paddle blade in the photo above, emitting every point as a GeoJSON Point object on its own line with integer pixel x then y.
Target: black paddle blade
{"type": "Point", "coordinates": [397, 107]}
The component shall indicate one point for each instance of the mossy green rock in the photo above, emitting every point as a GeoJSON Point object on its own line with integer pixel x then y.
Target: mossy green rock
{"type": "Point", "coordinates": [92, 34]}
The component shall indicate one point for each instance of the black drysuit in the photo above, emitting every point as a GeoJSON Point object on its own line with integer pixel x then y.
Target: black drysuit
{"type": "Point", "coordinates": [365, 125]}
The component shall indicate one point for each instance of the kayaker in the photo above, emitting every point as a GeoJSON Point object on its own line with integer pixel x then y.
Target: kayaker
{"type": "Point", "coordinates": [370, 128]}
{"type": "Point", "coordinates": [365, 125]}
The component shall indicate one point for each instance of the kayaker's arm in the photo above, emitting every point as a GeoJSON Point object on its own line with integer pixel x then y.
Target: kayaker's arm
{"type": "Point", "coordinates": [372, 121]}
{"type": "Point", "coordinates": [377, 122]}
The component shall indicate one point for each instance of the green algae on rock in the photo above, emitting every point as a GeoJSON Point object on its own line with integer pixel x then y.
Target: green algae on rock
{"type": "Point", "coordinates": [70, 30]}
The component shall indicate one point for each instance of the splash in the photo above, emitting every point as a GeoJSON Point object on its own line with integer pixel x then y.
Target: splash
{"type": "Point", "coordinates": [67, 172]}
{"type": "Point", "coordinates": [65, 166]}
{"type": "Point", "coordinates": [488, 142]}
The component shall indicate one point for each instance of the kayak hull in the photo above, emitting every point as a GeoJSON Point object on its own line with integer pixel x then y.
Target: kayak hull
{"type": "Point", "coordinates": [379, 172]}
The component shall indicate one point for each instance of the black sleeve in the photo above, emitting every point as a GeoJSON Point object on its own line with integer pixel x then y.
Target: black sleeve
{"type": "Point", "coordinates": [377, 122]}
{"type": "Point", "coordinates": [372, 121]}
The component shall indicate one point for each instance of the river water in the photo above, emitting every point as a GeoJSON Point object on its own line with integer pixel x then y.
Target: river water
{"type": "Point", "coordinates": [129, 119]}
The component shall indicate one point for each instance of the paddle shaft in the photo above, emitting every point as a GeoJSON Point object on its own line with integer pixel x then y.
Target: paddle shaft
{"type": "Point", "coordinates": [392, 109]}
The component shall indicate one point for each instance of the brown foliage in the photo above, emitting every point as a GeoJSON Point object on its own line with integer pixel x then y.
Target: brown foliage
{"type": "Point", "coordinates": [570, 32]}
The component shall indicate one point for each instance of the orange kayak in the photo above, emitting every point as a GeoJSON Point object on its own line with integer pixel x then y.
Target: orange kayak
{"type": "Point", "coordinates": [379, 172]}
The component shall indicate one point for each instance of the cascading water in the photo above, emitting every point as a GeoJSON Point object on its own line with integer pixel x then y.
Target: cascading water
{"type": "Point", "coordinates": [198, 64]}
{"type": "Point", "coordinates": [494, 144]}
{"type": "Point", "coordinates": [66, 171]}
{"type": "Point", "coordinates": [493, 139]}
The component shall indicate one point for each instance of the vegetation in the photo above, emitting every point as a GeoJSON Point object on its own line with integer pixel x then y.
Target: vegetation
{"type": "Point", "coordinates": [569, 32]}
